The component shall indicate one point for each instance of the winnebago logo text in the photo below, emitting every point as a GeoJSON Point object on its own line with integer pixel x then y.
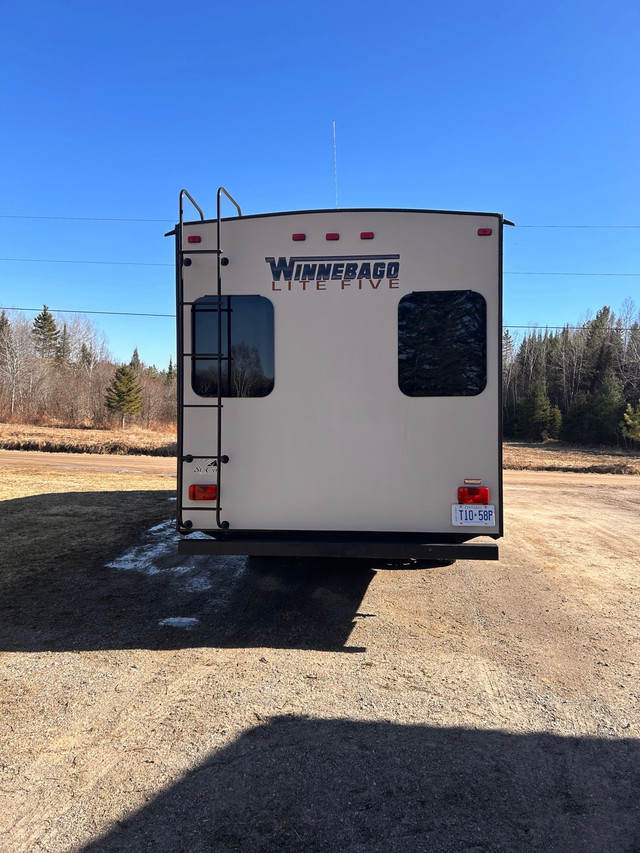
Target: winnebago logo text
{"type": "Point", "coordinates": [361, 272]}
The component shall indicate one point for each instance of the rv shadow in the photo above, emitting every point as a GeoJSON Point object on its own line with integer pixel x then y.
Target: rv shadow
{"type": "Point", "coordinates": [85, 572]}
{"type": "Point", "coordinates": [340, 785]}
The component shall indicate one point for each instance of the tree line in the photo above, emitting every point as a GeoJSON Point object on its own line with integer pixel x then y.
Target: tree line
{"type": "Point", "coordinates": [580, 385]}
{"type": "Point", "coordinates": [64, 373]}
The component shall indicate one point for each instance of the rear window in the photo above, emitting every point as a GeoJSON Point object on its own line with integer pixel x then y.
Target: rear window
{"type": "Point", "coordinates": [246, 350]}
{"type": "Point", "coordinates": [442, 343]}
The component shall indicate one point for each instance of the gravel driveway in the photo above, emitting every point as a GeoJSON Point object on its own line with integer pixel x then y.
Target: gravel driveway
{"type": "Point", "coordinates": [168, 704]}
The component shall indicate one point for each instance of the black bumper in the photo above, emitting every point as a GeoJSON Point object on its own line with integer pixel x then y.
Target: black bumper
{"type": "Point", "coordinates": [395, 549]}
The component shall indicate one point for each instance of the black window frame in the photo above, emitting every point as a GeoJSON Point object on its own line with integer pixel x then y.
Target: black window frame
{"type": "Point", "coordinates": [468, 340]}
{"type": "Point", "coordinates": [208, 304]}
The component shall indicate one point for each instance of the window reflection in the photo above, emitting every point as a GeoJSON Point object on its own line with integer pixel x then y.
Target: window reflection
{"type": "Point", "coordinates": [442, 343]}
{"type": "Point", "coordinates": [246, 351]}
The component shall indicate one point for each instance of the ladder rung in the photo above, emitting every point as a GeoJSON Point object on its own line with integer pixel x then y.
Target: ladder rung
{"type": "Point", "coordinates": [201, 252]}
{"type": "Point", "coordinates": [208, 456]}
{"type": "Point", "coordinates": [207, 355]}
{"type": "Point", "coordinates": [203, 406]}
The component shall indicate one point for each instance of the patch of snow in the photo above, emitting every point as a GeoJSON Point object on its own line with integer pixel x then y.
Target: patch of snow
{"type": "Point", "coordinates": [165, 525]}
{"type": "Point", "coordinates": [159, 557]}
{"type": "Point", "coordinates": [140, 559]}
{"type": "Point", "coordinates": [198, 584]}
{"type": "Point", "coordinates": [186, 622]}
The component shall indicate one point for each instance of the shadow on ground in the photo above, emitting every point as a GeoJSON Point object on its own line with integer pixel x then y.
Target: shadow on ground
{"type": "Point", "coordinates": [79, 575]}
{"type": "Point", "coordinates": [338, 785]}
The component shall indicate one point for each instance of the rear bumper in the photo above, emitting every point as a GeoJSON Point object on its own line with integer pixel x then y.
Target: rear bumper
{"type": "Point", "coordinates": [390, 549]}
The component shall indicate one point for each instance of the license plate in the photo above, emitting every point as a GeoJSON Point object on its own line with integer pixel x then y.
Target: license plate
{"type": "Point", "coordinates": [470, 515]}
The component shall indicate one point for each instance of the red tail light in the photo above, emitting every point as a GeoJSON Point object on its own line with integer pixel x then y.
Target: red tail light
{"type": "Point", "coordinates": [194, 239]}
{"type": "Point", "coordinates": [485, 232]}
{"type": "Point", "coordinates": [366, 235]}
{"type": "Point", "coordinates": [298, 238]}
{"type": "Point", "coordinates": [203, 493]}
{"type": "Point", "coordinates": [333, 236]}
{"type": "Point", "coordinates": [473, 495]}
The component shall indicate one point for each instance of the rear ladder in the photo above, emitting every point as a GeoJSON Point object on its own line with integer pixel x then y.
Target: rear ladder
{"type": "Point", "coordinates": [184, 260]}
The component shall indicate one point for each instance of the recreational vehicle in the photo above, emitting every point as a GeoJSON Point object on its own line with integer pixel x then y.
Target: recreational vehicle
{"type": "Point", "coordinates": [339, 382]}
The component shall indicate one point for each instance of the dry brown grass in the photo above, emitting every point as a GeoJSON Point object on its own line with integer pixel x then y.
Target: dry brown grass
{"type": "Point", "coordinates": [555, 456]}
{"type": "Point", "coordinates": [132, 440]}
{"type": "Point", "coordinates": [161, 441]}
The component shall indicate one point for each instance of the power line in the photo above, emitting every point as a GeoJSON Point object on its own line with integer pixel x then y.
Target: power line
{"type": "Point", "coordinates": [67, 261]}
{"type": "Point", "coordinates": [84, 218]}
{"type": "Point", "coordinates": [618, 274]}
{"type": "Point", "coordinates": [537, 326]}
{"type": "Point", "coordinates": [162, 264]}
{"type": "Point", "coordinates": [82, 311]}
{"type": "Point", "coordinates": [146, 219]}
{"type": "Point", "coordinates": [545, 326]}
{"type": "Point", "coordinates": [578, 226]}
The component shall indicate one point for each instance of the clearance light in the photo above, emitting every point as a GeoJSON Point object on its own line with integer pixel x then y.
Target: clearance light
{"type": "Point", "coordinates": [298, 238]}
{"type": "Point", "coordinates": [203, 493]}
{"type": "Point", "coordinates": [366, 235]}
{"type": "Point", "coordinates": [485, 232]}
{"type": "Point", "coordinates": [194, 239]}
{"type": "Point", "coordinates": [333, 236]}
{"type": "Point", "coordinates": [473, 495]}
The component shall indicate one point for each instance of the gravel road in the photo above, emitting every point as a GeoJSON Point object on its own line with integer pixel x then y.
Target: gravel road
{"type": "Point", "coordinates": [231, 705]}
{"type": "Point", "coordinates": [35, 459]}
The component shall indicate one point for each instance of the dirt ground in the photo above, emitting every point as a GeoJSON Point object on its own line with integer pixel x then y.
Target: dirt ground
{"type": "Point", "coordinates": [165, 704]}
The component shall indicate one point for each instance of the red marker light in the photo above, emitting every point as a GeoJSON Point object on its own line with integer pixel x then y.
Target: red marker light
{"type": "Point", "coordinates": [473, 495]}
{"type": "Point", "coordinates": [298, 238]}
{"type": "Point", "coordinates": [333, 236]}
{"type": "Point", "coordinates": [194, 239]}
{"type": "Point", "coordinates": [203, 493]}
{"type": "Point", "coordinates": [366, 235]}
{"type": "Point", "coordinates": [485, 232]}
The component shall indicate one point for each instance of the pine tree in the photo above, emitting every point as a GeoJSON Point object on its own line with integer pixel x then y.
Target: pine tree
{"type": "Point", "coordinates": [595, 418]}
{"type": "Point", "coordinates": [574, 423]}
{"type": "Point", "coordinates": [606, 410]}
{"type": "Point", "coordinates": [124, 394]}
{"type": "Point", "coordinates": [135, 364]}
{"type": "Point", "coordinates": [631, 423]}
{"type": "Point", "coordinates": [45, 334]}
{"type": "Point", "coordinates": [555, 422]}
{"type": "Point", "coordinates": [88, 358]}
{"type": "Point", "coordinates": [63, 349]}
{"type": "Point", "coordinates": [534, 418]}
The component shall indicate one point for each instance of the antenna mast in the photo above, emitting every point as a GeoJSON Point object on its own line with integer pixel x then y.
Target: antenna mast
{"type": "Point", "coordinates": [335, 162]}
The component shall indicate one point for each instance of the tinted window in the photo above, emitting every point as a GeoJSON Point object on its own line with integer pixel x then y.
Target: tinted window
{"type": "Point", "coordinates": [442, 343]}
{"type": "Point", "coordinates": [247, 346]}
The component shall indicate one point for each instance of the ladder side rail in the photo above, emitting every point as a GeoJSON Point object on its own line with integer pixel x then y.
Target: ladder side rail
{"type": "Point", "coordinates": [180, 306]}
{"type": "Point", "coordinates": [220, 458]}
{"type": "Point", "coordinates": [179, 366]}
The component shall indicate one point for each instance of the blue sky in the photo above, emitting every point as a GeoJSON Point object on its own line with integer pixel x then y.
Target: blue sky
{"type": "Point", "coordinates": [108, 110]}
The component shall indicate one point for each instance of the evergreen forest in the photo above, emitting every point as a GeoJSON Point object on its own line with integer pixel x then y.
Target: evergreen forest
{"type": "Point", "coordinates": [577, 384]}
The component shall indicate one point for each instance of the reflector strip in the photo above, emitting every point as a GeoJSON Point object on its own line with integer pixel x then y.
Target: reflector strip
{"type": "Point", "coordinates": [473, 495]}
{"type": "Point", "coordinates": [198, 492]}
{"type": "Point", "coordinates": [194, 239]}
